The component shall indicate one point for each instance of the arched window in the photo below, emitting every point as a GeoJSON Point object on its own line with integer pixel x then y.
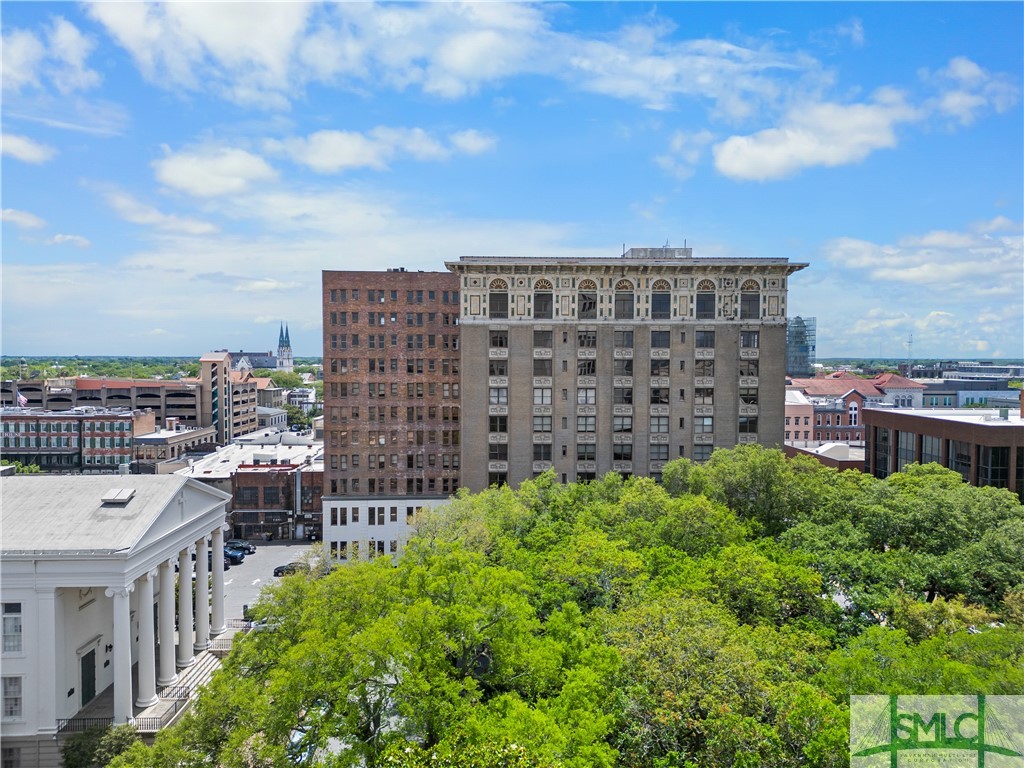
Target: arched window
{"type": "Point", "coordinates": [750, 300]}
{"type": "Point", "coordinates": [705, 300]}
{"type": "Point", "coordinates": [586, 305]}
{"type": "Point", "coordinates": [854, 411]}
{"type": "Point", "coordinates": [497, 302]}
{"type": "Point", "coordinates": [624, 300]}
{"type": "Point", "coordinates": [543, 303]}
{"type": "Point", "coordinates": [661, 300]}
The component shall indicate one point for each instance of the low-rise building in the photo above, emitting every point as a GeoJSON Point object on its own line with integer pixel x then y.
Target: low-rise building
{"type": "Point", "coordinates": [271, 418]}
{"type": "Point", "coordinates": [173, 442]}
{"type": "Point", "coordinates": [80, 440]}
{"type": "Point", "coordinates": [986, 446]}
{"type": "Point", "coordinates": [275, 481]}
{"type": "Point", "coordinates": [88, 593]}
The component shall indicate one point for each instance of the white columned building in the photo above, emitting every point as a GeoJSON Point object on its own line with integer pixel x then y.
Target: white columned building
{"type": "Point", "coordinates": [88, 594]}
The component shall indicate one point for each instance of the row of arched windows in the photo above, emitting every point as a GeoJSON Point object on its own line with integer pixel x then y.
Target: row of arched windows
{"type": "Point", "coordinates": [624, 307]}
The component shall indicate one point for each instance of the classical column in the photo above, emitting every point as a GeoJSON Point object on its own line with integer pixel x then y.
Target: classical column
{"type": "Point", "coordinates": [203, 595]}
{"type": "Point", "coordinates": [218, 582]}
{"type": "Point", "coordinates": [168, 674]}
{"type": "Point", "coordinates": [122, 654]}
{"type": "Point", "coordinates": [147, 643]}
{"type": "Point", "coordinates": [185, 657]}
{"type": "Point", "coordinates": [46, 647]}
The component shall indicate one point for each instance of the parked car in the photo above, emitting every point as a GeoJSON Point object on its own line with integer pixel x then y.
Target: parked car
{"type": "Point", "coordinates": [246, 546]}
{"type": "Point", "coordinates": [287, 568]}
{"type": "Point", "coordinates": [235, 556]}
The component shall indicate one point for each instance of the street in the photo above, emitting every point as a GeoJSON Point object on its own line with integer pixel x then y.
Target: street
{"type": "Point", "coordinates": [242, 583]}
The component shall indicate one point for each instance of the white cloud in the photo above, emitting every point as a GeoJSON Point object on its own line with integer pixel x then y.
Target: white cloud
{"type": "Point", "coordinates": [76, 240]}
{"type": "Point", "coordinates": [22, 219]}
{"type": "Point", "coordinates": [213, 171]}
{"type": "Point", "coordinates": [823, 134]}
{"type": "Point", "coordinates": [21, 53]}
{"type": "Point", "coordinates": [265, 285]}
{"type": "Point", "coordinates": [472, 142]}
{"type": "Point", "coordinates": [966, 90]}
{"type": "Point", "coordinates": [28, 61]}
{"type": "Point", "coordinates": [70, 48]}
{"type": "Point", "coordinates": [333, 151]}
{"type": "Point", "coordinates": [130, 209]}
{"type": "Point", "coordinates": [684, 152]}
{"type": "Point", "coordinates": [25, 149]}
{"type": "Point", "coordinates": [852, 29]}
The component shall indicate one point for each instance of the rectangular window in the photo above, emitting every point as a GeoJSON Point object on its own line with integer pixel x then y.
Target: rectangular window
{"type": "Point", "coordinates": [750, 305]}
{"type": "Point", "coordinates": [622, 423]}
{"type": "Point", "coordinates": [750, 339]}
{"type": "Point", "coordinates": [497, 368]}
{"type": "Point", "coordinates": [586, 396]}
{"type": "Point", "coordinates": [586, 423]}
{"type": "Point", "coordinates": [622, 395]}
{"type": "Point", "coordinates": [661, 305]}
{"type": "Point", "coordinates": [704, 425]}
{"type": "Point", "coordinates": [660, 339]}
{"type": "Point", "coordinates": [542, 451]}
{"type": "Point", "coordinates": [587, 309]}
{"type": "Point", "coordinates": [542, 396]}
{"type": "Point", "coordinates": [12, 627]}
{"type": "Point", "coordinates": [586, 452]}
{"type": "Point", "coordinates": [659, 452]}
{"type": "Point", "coordinates": [498, 424]}
{"type": "Point", "coordinates": [12, 697]}
{"type": "Point", "coordinates": [498, 305]}
{"type": "Point", "coordinates": [659, 425]}
{"type": "Point", "coordinates": [704, 368]}
{"type": "Point", "coordinates": [586, 339]}
{"type": "Point", "coordinates": [497, 452]}
{"type": "Point", "coordinates": [543, 305]}
{"type": "Point", "coordinates": [498, 396]}
{"type": "Point", "coordinates": [748, 425]}
{"type": "Point", "coordinates": [703, 396]}
{"type": "Point", "coordinates": [659, 395]}
{"type": "Point", "coordinates": [624, 305]}
{"type": "Point", "coordinates": [624, 339]}
{"type": "Point", "coordinates": [748, 395]}
{"type": "Point", "coordinates": [622, 452]}
{"type": "Point", "coordinates": [660, 367]}
{"type": "Point", "coordinates": [704, 339]}
{"type": "Point", "coordinates": [586, 367]}
{"type": "Point", "coordinates": [542, 339]}
{"type": "Point", "coordinates": [542, 366]}
{"type": "Point", "coordinates": [622, 367]}
{"type": "Point", "coordinates": [748, 367]}
{"type": "Point", "coordinates": [701, 453]}
{"type": "Point", "coordinates": [705, 305]}
{"type": "Point", "coordinates": [499, 339]}
{"type": "Point", "coordinates": [541, 423]}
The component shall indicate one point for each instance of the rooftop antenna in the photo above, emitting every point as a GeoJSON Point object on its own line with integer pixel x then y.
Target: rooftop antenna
{"type": "Point", "coordinates": [910, 354]}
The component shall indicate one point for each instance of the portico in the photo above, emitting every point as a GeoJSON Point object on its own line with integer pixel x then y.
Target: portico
{"type": "Point", "coordinates": [89, 563]}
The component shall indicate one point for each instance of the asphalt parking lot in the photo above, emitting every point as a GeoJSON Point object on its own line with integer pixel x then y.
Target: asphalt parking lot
{"type": "Point", "coordinates": [242, 583]}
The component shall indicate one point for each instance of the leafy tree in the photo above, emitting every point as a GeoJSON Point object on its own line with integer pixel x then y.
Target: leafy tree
{"type": "Point", "coordinates": [21, 469]}
{"type": "Point", "coordinates": [98, 747]}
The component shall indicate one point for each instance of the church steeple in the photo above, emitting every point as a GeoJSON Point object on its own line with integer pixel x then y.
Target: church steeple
{"type": "Point", "coordinates": [284, 350]}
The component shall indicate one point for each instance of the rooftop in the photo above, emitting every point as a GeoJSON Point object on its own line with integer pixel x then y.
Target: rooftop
{"type": "Point", "coordinates": [222, 464]}
{"type": "Point", "coordinates": [66, 513]}
{"type": "Point", "coordinates": [976, 416]}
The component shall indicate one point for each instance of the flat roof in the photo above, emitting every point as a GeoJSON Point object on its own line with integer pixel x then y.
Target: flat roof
{"type": "Point", "coordinates": [977, 416]}
{"type": "Point", "coordinates": [222, 464]}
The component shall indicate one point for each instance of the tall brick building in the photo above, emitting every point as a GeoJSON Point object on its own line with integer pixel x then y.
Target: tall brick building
{"type": "Point", "coordinates": [392, 421]}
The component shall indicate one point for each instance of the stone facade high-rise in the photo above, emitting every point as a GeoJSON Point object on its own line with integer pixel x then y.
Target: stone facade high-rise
{"type": "Point", "coordinates": [587, 366]}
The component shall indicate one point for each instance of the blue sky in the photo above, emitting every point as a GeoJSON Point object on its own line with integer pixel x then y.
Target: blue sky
{"type": "Point", "coordinates": [176, 176]}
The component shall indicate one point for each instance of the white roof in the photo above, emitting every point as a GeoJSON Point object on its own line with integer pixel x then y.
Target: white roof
{"type": "Point", "coordinates": [222, 464]}
{"type": "Point", "coordinates": [66, 513]}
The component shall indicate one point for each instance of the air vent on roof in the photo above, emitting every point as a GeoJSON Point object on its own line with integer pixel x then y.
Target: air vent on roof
{"type": "Point", "coordinates": [118, 495]}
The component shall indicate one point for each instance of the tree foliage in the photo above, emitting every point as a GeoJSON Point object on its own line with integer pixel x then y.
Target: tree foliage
{"type": "Point", "coordinates": [625, 623]}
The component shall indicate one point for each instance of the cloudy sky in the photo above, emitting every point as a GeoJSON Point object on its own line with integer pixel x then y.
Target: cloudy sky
{"type": "Point", "coordinates": [176, 176]}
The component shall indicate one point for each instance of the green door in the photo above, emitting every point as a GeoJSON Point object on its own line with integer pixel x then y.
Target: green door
{"type": "Point", "coordinates": [88, 677]}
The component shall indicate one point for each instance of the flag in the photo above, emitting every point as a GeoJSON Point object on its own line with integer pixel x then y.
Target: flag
{"type": "Point", "coordinates": [22, 400]}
